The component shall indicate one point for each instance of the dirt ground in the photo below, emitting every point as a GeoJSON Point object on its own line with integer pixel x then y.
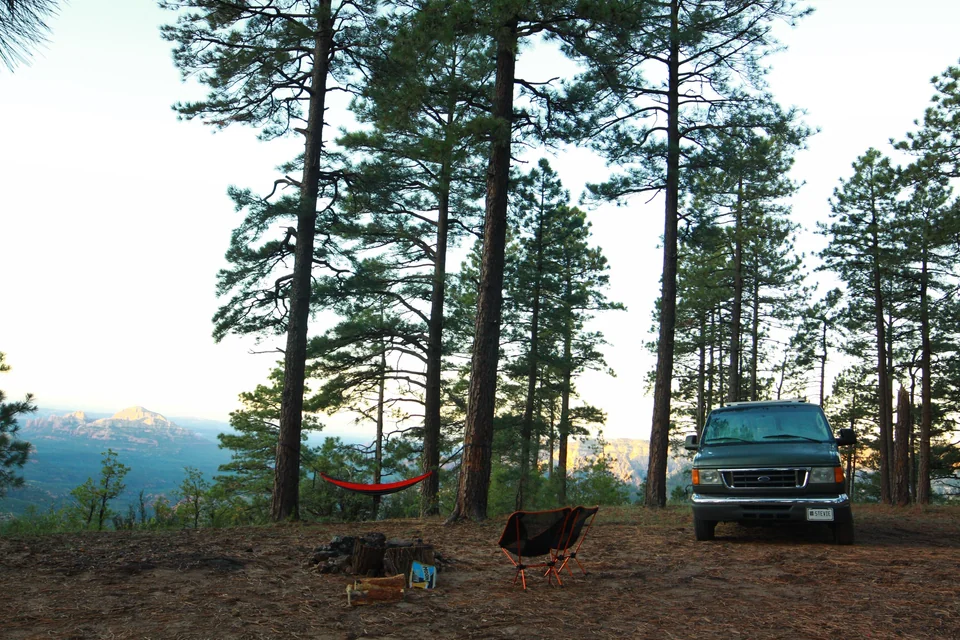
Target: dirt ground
{"type": "Point", "coordinates": [647, 578]}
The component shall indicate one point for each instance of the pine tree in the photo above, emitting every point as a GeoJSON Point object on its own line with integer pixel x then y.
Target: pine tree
{"type": "Point", "coordinates": [23, 26]}
{"type": "Point", "coordinates": [708, 58]}
{"type": "Point", "coordinates": [272, 63]}
{"type": "Point", "coordinates": [929, 226]}
{"type": "Point", "coordinates": [541, 200]}
{"type": "Point", "coordinates": [424, 96]}
{"type": "Point", "coordinates": [253, 445]}
{"type": "Point", "coordinates": [92, 499]}
{"type": "Point", "coordinates": [13, 451]}
{"type": "Point", "coordinates": [508, 24]}
{"type": "Point", "coordinates": [937, 142]}
{"type": "Point", "coordinates": [582, 280]}
{"type": "Point", "coordinates": [193, 493]}
{"type": "Point", "coordinates": [861, 251]}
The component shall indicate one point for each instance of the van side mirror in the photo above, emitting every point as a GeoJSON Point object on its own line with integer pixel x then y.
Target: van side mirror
{"type": "Point", "coordinates": [846, 437]}
{"type": "Point", "coordinates": [691, 443]}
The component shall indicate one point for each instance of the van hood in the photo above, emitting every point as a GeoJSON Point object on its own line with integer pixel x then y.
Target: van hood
{"type": "Point", "coordinates": [763, 454]}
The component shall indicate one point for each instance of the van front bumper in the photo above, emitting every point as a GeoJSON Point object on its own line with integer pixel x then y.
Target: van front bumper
{"type": "Point", "coordinates": [757, 509]}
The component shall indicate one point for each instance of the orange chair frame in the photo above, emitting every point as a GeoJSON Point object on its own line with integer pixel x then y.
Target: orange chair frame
{"type": "Point", "coordinates": [514, 541]}
{"type": "Point", "coordinates": [574, 533]}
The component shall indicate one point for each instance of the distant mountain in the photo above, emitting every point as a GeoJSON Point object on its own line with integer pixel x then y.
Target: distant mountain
{"type": "Point", "coordinates": [67, 449]}
{"type": "Point", "coordinates": [203, 427]}
{"type": "Point", "coordinates": [630, 457]}
{"type": "Point", "coordinates": [132, 427]}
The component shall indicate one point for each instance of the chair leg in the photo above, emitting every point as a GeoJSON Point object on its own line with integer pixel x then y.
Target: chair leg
{"type": "Point", "coordinates": [551, 572]}
{"type": "Point", "coordinates": [523, 578]}
{"type": "Point", "coordinates": [579, 564]}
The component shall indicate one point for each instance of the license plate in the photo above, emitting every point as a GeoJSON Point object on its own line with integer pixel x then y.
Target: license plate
{"type": "Point", "coordinates": [822, 515]}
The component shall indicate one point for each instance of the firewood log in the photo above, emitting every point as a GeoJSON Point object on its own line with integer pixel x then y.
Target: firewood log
{"type": "Point", "coordinates": [373, 595]}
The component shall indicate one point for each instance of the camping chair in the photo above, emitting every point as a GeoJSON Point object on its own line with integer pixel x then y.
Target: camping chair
{"type": "Point", "coordinates": [574, 534]}
{"type": "Point", "coordinates": [530, 534]}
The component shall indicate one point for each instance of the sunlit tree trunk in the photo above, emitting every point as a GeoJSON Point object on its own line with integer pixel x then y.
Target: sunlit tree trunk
{"type": "Point", "coordinates": [656, 487]}
{"type": "Point", "coordinates": [286, 487]}
{"type": "Point", "coordinates": [474, 483]}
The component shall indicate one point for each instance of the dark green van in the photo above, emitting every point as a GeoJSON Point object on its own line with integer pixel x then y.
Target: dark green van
{"type": "Point", "coordinates": [769, 462]}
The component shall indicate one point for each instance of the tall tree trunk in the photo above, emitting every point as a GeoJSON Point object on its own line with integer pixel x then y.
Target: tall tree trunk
{"type": "Point", "coordinates": [526, 426]}
{"type": "Point", "coordinates": [755, 340]}
{"type": "Point", "coordinates": [823, 362]}
{"type": "Point", "coordinates": [564, 435]}
{"type": "Point", "coordinates": [926, 409]}
{"type": "Point", "coordinates": [721, 378]}
{"type": "Point", "coordinates": [381, 397]}
{"type": "Point", "coordinates": [911, 446]}
{"type": "Point", "coordinates": [901, 466]}
{"type": "Point", "coordinates": [552, 437]}
{"type": "Point", "coordinates": [286, 485]}
{"type": "Point", "coordinates": [429, 504]}
{"type": "Point", "coordinates": [710, 367]}
{"type": "Point", "coordinates": [656, 490]}
{"type": "Point", "coordinates": [474, 483]}
{"type": "Point", "coordinates": [883, 384]}
{"type": "Point", "coordinates": [890, 434]}
{"type": "Point", "coordinates": [733, 385]}
{"type": "Point", "coordinates": [851, 461]}
{"type": "Point", "coordinates": [701, 375]}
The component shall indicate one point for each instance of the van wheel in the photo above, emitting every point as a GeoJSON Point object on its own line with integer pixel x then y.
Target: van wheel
{"type": "Point", "coordinates": [843, 532]}
{"type": "Point", "coordinates": [704, 529]}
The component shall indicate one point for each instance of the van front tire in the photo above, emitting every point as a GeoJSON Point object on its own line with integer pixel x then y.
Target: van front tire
{"type": "Point", "coordinates": [704, 529]}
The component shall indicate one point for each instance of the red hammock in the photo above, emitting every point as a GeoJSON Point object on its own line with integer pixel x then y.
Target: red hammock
{"type": "Point", "coordinates": [375, 489]}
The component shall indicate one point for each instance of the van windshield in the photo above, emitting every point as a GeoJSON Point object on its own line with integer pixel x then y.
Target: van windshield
{"type": "Point", "coordinates": [767, 423]}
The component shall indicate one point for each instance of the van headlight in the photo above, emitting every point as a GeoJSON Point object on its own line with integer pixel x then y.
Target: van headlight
{"type": "Point", "coordinates": [706, 476]}
{"type": "Point", "coordinates": [826, 475]}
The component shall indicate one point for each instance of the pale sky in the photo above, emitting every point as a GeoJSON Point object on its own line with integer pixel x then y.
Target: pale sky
{"type": "Point", "coordinates": [114, 216]}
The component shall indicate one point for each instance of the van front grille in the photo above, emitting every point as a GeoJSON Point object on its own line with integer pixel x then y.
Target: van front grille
{"type": "Point", "coordinates": [765, 478]}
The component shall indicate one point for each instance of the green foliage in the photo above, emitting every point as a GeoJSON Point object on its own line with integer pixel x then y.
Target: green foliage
{"type": "Point", "coordinates": [91, 500]}
{"type": "Point", "coordinates": [681, 494]}
{"type": "Point", "coordinates": [23, 27]}
{"type": "Point", "coordinates": [164, 515]}
{"type": "Point", "coordinates": [937, 143]}
{"type": "Point", "coordinates": [13, 452]}
{"type": "Point", "coordinates": [193, 496]}
{"type": "Point", "coordinates": [595, 483]}
{"type": "Point", "coordinates": [39, 522]}
{"type": "Point", "coordinates": [248, 477]}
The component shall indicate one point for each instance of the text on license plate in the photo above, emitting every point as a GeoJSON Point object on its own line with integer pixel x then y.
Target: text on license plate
{"type": "Point", "coordinates": [825, 515]}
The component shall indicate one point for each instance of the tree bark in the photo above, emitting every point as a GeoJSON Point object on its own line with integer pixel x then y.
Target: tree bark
{"type": "Point", "coordinates": [564, 419]}
{"type": "Point", "coordinates": [823, 362]}
{"type": "Point", "coordinates": [378, 445]}
{"type": "Point", "coordinates": [399, 560]}
{"type": "Point", "coordinates": [901, 466]}
{"type": "Point", "coordinates": [474, 482]}
{"type": "Point", "coordinates": [755, 341]}
{"type": "Point", "coordinates": [883, 384]}
{"type": "Point", "coordinates": [733, 385]}
{"type": "Point", "coordinates": [286, 486]}
{"type": "Point", "coordinates": [429, 504]}
{"type": "Point", "coordinates": [926, 409]}
{"type": "Point", "coordinates": [711, 366]}
{"type": "Point", "coordinates": [526, 426]}
{"type": "Point", "coordinates": [656, 489]}
{"type": "Point", "coordinates": [701, 375]}
{"type": "Point", "coordinates": [431, 422]}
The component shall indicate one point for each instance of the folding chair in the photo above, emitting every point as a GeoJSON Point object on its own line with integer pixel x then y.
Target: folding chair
{"type": "Point", "coordinates": [530, 534]}
{"type": "Point", "coordinates": [574, 534]}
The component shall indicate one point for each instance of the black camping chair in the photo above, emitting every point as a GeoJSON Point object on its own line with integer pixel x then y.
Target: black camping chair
{"type": "Point", "coordinates": [531, 534]}
{"type": "Point", "coordinates": [574, 534]}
